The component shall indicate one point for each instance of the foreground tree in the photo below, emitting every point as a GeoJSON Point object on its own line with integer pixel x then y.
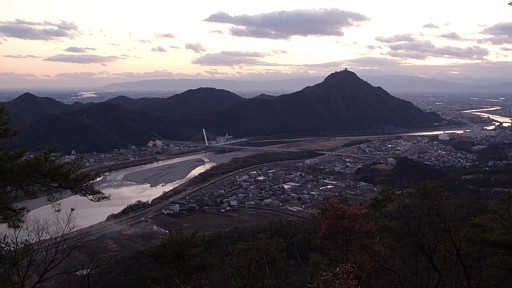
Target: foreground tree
{"type": "Point", "coordinates": [24, 175]}
{"type": "Point", "coordinates": [490, 237]}
{"type": "Point", "coordinates": [180, 260]}
{"type": "Point", "coordinates": [35, 250]}
{"type": "Point", "coordinates": [424, 235]}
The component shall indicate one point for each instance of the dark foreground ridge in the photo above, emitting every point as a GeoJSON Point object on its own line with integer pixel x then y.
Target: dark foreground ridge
{"type": "Point", "coordinates": [342, 103]}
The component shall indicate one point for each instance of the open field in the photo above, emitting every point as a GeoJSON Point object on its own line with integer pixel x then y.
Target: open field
{"type": "Point", "coordinates": [148, 232]}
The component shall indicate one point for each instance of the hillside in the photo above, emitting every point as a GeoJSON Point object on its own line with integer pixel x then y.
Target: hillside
{"type": "Point", "coordinates": [101, 127]}
{"type": "Point", "coordinates": [28, 107]}
{"type": "Point", "coordinates": [341, 103]}
{"type": "Point", "coordinates": [201, 100]}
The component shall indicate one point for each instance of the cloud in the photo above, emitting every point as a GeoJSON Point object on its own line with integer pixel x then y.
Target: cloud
{"type": "Point", "coordinates": [231, 58]}
{"type": "Point", "coordinates": [77, 75]}
{"type": "Point", "coordinates": [285, 24]}
{"type": "Point", "coordinates": [158, 49]}
{"type": "Point", "coordinates": [21, 56]}
{"type": "Point", "coordinates": [451, 36]}
{"type": "Point", "coordinates": [425, 49]}
{"type": "Point", "coordinates": [46, 31]}
{"type": "Point", "coordinates": [196, 47]}
{"type": "Point", "coordinates": [15, 80]}
{"type": "Point", "coordinates": [82, 59]}
{"type": "Point", "coordinates": [164, 35]}
{"type": "Point", "coordinates": [431, 26]}
{"type": "Point", "coordinates": [408, 47]}
{"type": "Point", "coordinates": [501, 33]}
{"type": "Point", "coordinates": [372, 62]}
{"type": "Point", "coordinates": [145, 41]}
{"type": "Point", "coordinates": [79, 49]}
{"type": "Point", "coordinates": [396, 38]}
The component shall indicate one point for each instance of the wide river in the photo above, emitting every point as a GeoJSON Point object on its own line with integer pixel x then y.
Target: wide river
{"type": "Point", "coordinates": [126, 186]}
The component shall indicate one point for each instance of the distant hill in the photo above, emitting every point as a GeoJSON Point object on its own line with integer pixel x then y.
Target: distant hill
{"type": "Point", "coordinates": [101, 127]}
{"type": "Point", "coordinates": [414, 83]}
{"type": "Point", "coordinates": [233, 85]}
{"type": "Point", "coordinates": [403, 83]}
{"type": "Point", "coordinates": [341, 103]}
{"type": "Point", "coordinates": [28, 107]}
{"type": "Point", "coordinates": [135, 104]}
{"type": "Point", "coordinates": [201, 100]}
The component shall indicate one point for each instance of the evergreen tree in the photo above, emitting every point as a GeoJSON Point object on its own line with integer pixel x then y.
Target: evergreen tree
{"type": "Point", "coordinates": [23, 175]}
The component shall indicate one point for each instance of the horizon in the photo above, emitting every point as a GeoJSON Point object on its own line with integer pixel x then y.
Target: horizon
{"type": "Point", "coordinates": [89, 45]}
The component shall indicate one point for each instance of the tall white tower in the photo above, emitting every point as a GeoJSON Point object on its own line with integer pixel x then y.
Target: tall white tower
{"type": "Point", "coordinates": [205, 139]}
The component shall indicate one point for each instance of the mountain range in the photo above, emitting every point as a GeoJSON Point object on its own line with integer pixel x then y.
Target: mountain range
{"type": "Point", "coordinates": [342, 103]}
{"type": "Point", "coordinates": [394, 83]}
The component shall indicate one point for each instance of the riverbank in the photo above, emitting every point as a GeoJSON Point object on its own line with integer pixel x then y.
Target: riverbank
{"type": "Point", "coordinates": [144, 182]}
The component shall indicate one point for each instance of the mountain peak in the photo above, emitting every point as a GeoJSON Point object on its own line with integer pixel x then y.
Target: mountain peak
{"type": "Point", "coordinates": [27, 95]}
{"type": "Point", "coordinates": [343, 75]}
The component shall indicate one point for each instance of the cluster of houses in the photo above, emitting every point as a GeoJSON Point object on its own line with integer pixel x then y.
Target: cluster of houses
{"type": "Point", "coordinates": [290, 187]}
{"type": "Point", "coordinates": [421, 149]}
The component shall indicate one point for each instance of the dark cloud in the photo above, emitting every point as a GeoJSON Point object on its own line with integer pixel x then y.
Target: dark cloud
{"type": "Point", "coordinates": [158, 49]}
{"type": "Point", "coordinates": [27, 30]}
{"type": "Point", "coordinates": [82, 59]}
{"type": "Point", "coordinates": [196, 47]}
{"type": "Point", "coordinates": [451, 36]}
{"type": "Point", "coordinates": [285, 24]}
{"type": "Point", "coordinates": [164, 35]}
{"type": "Point", "coordinates": [406, 46]}
{"type": "Point", "coordinates": [79, 49]}
{"type": "Point", "coordinates": [231, 58]}
{"type": "Point", "coordinates": [501, 33]}
{"type": "Point", "coordinates": [431, 26]}
{"type": "Point", "coordinates": [21, 56]}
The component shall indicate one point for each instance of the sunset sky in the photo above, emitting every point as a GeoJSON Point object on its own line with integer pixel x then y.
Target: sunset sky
{"type": "Point", "coordinates": [68, 43]}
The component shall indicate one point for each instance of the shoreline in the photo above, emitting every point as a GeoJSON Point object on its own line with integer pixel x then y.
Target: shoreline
{"type": "Point", "coordinates": [153, 176]}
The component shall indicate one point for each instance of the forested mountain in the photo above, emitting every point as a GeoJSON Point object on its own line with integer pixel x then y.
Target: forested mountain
{"type": "Point", "coordinates": [29, 107]}
{"type": "Point", "coordinates": [342, 103]}
{"type": "Point", "coordinates": [201, 100]}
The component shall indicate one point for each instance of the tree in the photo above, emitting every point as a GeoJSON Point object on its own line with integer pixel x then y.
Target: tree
{"type": "Point", "coordinates": [258, 263]}
{"type": "Point", "coordinates": [490, 237]}
{"type": "Point", "coordinates": [36, 250]}
{"type": "Point", "coordinates": [180, 260]}
{"type": "Point", "coordinates": [351, 230]}
{"type": "Point", "coordinates": [430, 248]}
{"type": "Point", "coordinates": [25, 175]}
{"type": "Point", "coordinates": [341, 277]}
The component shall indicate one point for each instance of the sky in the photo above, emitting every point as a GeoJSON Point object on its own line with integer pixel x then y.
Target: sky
{"type": "Point", "coordinates": [70, 43]}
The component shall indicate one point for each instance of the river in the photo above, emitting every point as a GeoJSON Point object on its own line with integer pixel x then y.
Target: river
{"type": "Point", "coordinates": [126, 186]}
{"type": "Point", "coordinates": [505, 121]}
